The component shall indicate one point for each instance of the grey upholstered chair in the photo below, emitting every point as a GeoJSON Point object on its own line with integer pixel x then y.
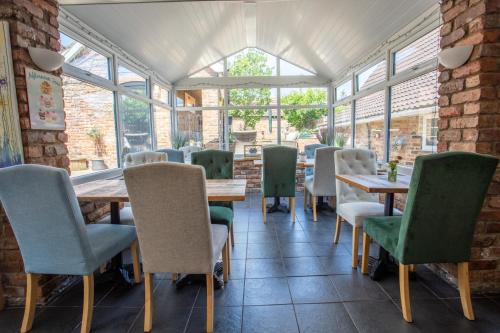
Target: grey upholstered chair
{"type": "Point", "coordinates": [143, 157]}
{"type": "Point", "coordinates": [309, 150]}
{"type": "Point", "coordinates": [52, 234]}
{"type": "Point", "coordinates": [187, 150]}
{"type": "Point", "coordinates": [354, 204]}
{"type": "Point", "coordinates": [173, 155]}
{"type": "Point", "coordinates": [134, 159]}
{"type": "Point", "coordinates": [322, 182]}
{"type": "Point", "coordinates": [173, 226]}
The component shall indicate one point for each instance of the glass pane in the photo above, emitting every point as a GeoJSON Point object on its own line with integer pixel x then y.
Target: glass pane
{"type": "Point", "coordinates": [263, 132]}
{"type": "Point", "coordinates": [90, 126]}
{"type": "Point", "coordinates": [214, 70]}
{"type": "Point", "coordinates": [421, 50]}
{"type": "Point", "coordinates": [304, 126]}
{"type": "Point", "coordinates": [163, 127]}
{"type": "Point", "coordinates": [131, 80]}
{"type": "Point", "coordinates": [303, 96]}
{"type": "Point", "coordinates": [287, 68]}
{"type": "Point", "coordinates": [371, 76]}
{"type": "Point", "coordinates": [160, 94]}
{"type": "Point", "coordinates": [343, 126]}
{"type": "Point", "coordinates": [204, 97]}
{"type": "Point", "coordinates": [200, 128]}
{"type": "Point", "coordinates": [252, 96]}
{"type": "Point", "coordinates": [136, 125]}
{"type": "Point", "coordinates": [83, 57]}
{"type": "Point", "coordinates": [369, 113]}
{"type": "Point", "coordinates": [413, 118]}
{"type": "Point", "coordinates": [344, 90]}
{"type": "Point", "coordinates": [251, 62]}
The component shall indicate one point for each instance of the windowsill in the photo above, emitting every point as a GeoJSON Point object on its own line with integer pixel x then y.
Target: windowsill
{"type": "Point", "coordinates": [96, 175]}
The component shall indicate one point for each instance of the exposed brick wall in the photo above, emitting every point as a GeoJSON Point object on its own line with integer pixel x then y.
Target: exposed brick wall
{"type": "Point", "coordinates": [470, 119]}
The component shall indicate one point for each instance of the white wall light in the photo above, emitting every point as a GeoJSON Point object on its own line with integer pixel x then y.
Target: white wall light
{"type": "Point", "coordinates": [454, 57]}
{"type": "Point", "coordinates": [46, 59]}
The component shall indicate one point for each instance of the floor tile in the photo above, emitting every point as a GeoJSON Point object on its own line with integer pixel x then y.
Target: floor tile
{"type": "Point", "coordinates": [263, 268]}
{"type": "Point", "coordinates": [230, 295]}
{"type": "Point", "coordinates": [312, 289]}
{"type": "Point", "coordinates": [303, 266]}
{"type": "Point", "coordinates": [237, 269]}
{"type": "Point", "coordinates": [263, 250]}
{"type": "Point", "coordinates": [297, 250]}
{"type": "Point", "coordinates": [357, 287]}
{"type": "Point", "coordinates": [486, 311]}
{"type": "Point", "coordinates": [112, 319]}
{"type": "Point", "coordinates": [239, 251]}
{"type": "Point", "coordinates": [240, 238]}
{"type": "Point", "coordinates": [337, 265]}
{"type": "Point", "coordinates": [271, 318]}
{"type": "Point", "coordinates": [226, 320]}
{"type": "Point", "coordinates": [324, 318]}
{"type": "Point", "coordinates": [328, 249]}
{"type": "Point", "coordinates": [267, 291]}
{"type": "Point", "coordinates": [261, 237]}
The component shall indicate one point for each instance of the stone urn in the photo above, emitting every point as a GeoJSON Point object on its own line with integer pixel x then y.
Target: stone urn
{"type": "Point", "coordinates": [245, 136]}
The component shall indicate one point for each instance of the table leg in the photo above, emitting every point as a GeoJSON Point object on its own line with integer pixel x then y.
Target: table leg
{"type": "Point", "coordinates": [121, 273]}
{"type": "Point", "coordinates": [277, 207]}
{"type": "Point", "coordinates": [380, 267]}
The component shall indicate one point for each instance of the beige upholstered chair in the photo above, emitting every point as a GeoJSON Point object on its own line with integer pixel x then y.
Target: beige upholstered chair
{"type": "Point", "coordinates": [353, 204]}
{"type": "Point", "coordinates": [173, 226]}
{"type": "Point", "coordinates": [322, 182]}
{"type": "Point", "coordinates": [143, 157]}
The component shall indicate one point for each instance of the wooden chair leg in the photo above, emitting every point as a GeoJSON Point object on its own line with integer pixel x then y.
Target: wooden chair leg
{"type": "Point", "coordinates": [148, 302]}
{"type": "Point", "coordinates": [229, 248]}
{"type": "Point", "coordinates": [264, 209]}
{"type": "Point", "coordinates": [232, 235]}
{"type": "Point", "coordinates": [315, 213]}
{"type": "Point", "coordinates": [305, 199]}
{"type": "Point", "coordinates": [210, 302]}
{"type": "Point", "coordinates": [464, 287]}
{"type": "Point", "coordinates": [337, 229]}
{"type": "Point", "coordinates": [30, 305]}
{"type": "Point", "coordinates": [225, 268]}
{"type": "Point", "coordinates": [366, 253]}
{"type": "Point", "coordinates": [88, 303]}
{"type": "Point", "coordinates": [355, 246]}
{"type": "Point", "coordinates": [292, 207]}
{"type": "Point", "coordinates": [175, 276]}
{"type": "Point", "coordinates": [404, 291]}
{"type": "Point", "coordinates": [413, 268]}
{"type": "Point", "coordinates": [134, 250]}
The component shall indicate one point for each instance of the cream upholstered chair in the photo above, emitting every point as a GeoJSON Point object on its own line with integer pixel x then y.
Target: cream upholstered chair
{"type": "Point", "coordinates": [322, 181]}
{"type": "Point", "coordinates": [134, 159]}
{"type": "Point", "coordinates": [353, 204]}
{"type": "Point", "coordinates": [173, 227]}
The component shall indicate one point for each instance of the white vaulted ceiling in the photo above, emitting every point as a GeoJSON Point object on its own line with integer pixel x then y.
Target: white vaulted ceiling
{"type": "Point", "coordinates": [176, 38]}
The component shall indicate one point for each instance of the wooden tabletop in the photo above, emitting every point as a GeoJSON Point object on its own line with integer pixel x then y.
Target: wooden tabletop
{"type": "Point", "coordinates": [377, 183]}
{"type": "Point", "coordinates": [309, 163]}
{"type": "Point", "coordinates": [114, 190]}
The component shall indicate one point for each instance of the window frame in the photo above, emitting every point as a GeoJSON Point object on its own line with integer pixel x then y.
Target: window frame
{"type": "Point", "coordinates": [425, 117]}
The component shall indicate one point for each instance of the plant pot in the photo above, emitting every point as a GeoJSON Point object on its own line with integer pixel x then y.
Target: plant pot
{"type": "Point", "coordinates": [392, 175]}
{"type": "Point", "coordinates": [97, 165]}
{"type": "Point", "coordinates": [245, 136]}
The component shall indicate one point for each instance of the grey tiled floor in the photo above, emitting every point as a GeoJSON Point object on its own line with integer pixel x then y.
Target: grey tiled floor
{"type": "Point", "coordinates": [285, 278]}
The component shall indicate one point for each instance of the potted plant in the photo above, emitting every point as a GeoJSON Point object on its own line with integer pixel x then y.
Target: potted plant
{"type": "Point", "coordinates": [392, 172]}
{"type": "Point", "coordinates": [100, 149]}
{"type": "Point", "coordinates": [179, 140]}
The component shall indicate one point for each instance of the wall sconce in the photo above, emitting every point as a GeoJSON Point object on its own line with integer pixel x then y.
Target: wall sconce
{"type": "Point", "coordinates": [46, 59]}
{"type": "Point", "coordinates": [454, 57]}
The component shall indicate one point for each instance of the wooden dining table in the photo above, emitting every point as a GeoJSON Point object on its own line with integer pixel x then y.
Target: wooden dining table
{"type": "Point", "coordinates": [379, 184]}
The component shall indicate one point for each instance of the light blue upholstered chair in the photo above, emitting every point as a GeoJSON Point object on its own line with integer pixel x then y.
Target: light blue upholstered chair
{"type": "Point", "coordinates": [52, 234]}
{"type": "Point", "coordinates": [309, 150]}
{"type": "Point", "coordinates": [173, 155]}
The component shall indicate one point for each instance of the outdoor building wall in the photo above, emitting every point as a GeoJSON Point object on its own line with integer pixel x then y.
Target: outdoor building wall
{"type": "Point", "coordinates": [469, 120]}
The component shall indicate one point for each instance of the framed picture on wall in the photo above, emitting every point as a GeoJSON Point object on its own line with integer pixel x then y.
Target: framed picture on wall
{"type": "Point", "coordinates": [11, 146]}
{"type": "Point", "coordinates": [45, 100]}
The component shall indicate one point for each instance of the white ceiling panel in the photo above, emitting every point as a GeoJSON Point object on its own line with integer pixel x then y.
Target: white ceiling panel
{"type": "Point", "coordinates": [176, 38]}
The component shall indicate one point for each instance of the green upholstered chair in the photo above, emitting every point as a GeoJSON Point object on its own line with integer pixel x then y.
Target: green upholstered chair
{"type": "Point", "coordinates": [279, 165]}
{"type": "Point", "coordinates": [218, 164]}
{"type": "Point", "coordinates": [446, 194]}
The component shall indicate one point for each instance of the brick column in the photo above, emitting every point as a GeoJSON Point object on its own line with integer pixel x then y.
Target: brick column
{"type": "Point", "coordinates": [469, 118]}
{"type": "Point", "coordinates": [31, 23]}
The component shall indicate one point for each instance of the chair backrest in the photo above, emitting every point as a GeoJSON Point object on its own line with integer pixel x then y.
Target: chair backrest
{"type": "Point", "coordinates": [445, 198]}
{"type": "Point", "coordinates": [310, 149]}
{"type": "Point", "coordinates": [279, 165]}
{"type": "Point", "coordinates": [45, 216]}
{"type": "Point", "coordinates": [354, 162]}
{"type": "Point", "coordinates": [324, 171]}
{"type": "Point", "coordinates": [143, 157]}
{"type": "Point", "coordinates": [188, 150]}
{"type": "Point", "coordinates": [218, 164]}
{"type": "Point", "coordinates": [170, 207]}
{"type": "Point", "coordinates": [173, 155]}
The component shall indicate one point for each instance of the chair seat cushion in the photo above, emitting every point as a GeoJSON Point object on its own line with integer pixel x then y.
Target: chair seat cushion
{"type": "Point", "coordinates": [221, 215]}
{"type": "Point", "coordinates": [384, 231]}
{"type": "Point", "coordinates": [126, 217]}
{"type": "Point", "coordinates": [219, 237]}
{"type": "Point", "coordinates": [107, 240]}
{"type": "Point", "coordinates": [355, 212]}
